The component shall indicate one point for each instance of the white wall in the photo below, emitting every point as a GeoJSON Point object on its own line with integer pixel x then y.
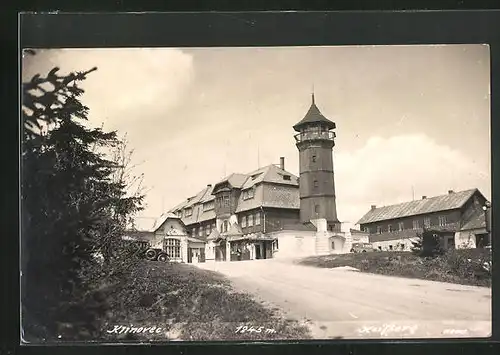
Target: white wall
{"type": "Point", "coordinates": [395, 244]}
{"type": "Point", "coordinates": [295, 244]}
{"type": "Point", "coordinates": [210, 251]}
{"type": "Point", "coordinates": [467, 239]}
{"type": "Point", "coordinates": [339, 244]}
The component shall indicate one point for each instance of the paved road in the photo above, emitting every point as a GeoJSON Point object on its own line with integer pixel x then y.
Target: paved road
{"type": "Point", "coordinates": [338, 303]}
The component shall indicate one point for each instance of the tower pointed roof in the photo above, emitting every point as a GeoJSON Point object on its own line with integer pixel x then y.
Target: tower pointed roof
{"type": "Point", "coordinates": [314, 115]}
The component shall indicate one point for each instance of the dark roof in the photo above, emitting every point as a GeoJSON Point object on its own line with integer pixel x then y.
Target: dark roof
{"type": "Point", "coordinates": [446, 202]}
{"type": "Point", "coordinates": [314, 115]}
{"type": "Point", "coordinates": [308, 226]}
{"type": "Point", "coordinates": [477, 221]}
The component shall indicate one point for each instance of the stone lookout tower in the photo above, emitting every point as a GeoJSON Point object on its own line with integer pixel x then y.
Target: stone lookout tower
{"type": "Point", "coordinates": [315, 141]}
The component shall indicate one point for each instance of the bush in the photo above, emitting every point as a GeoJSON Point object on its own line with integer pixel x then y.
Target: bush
{"type": "Point", "coordinates": [428, 244]}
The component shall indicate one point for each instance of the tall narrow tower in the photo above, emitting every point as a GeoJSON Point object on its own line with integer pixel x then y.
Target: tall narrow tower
{"type": "Point", "coordinates": [315, 142]}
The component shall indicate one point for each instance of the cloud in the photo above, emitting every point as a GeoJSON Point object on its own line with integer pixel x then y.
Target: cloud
{"type": "Point", "coordinates": [391, 170]}
{"type": "Point", "coordinates": [128, 81]}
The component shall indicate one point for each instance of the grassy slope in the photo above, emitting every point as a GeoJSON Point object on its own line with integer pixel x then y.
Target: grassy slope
{"type": "Point", "coordinates": [191, 304]}
{"type": "Point", "coordinates": [453, 267]}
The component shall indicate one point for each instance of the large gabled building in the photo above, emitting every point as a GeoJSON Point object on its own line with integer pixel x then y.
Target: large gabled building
{"type": "Point", "coordinates": [243, 208]}
{"type": "Point", "coordinates": [269, 211]}
{"type": "Point", "coordinates": [459, 215]}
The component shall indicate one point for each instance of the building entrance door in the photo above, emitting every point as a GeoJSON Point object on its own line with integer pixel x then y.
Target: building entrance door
{"type": "Point", "coordinates": [258, 251]}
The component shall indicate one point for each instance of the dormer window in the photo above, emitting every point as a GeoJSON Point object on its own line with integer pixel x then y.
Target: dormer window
{"type": "Point", "coordinates": [249, 193]}
{"type": "Point", "coordinates": [207, 206]}
{"type": "Point", "coordinates": [188, 212]}
{"type": "Point", "coordinates": [287, 177]}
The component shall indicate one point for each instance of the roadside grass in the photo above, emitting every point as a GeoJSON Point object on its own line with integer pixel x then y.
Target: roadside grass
{"type": "Point", "coordinates": [190, 304]}
{"type": "Point", "coordinates": [460, 266]}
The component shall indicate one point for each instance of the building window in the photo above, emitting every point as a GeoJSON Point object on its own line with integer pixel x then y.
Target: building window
{"type": "Point", "coordinates": [224, 226]}
{"type": "Point", "coordinates": [416, 225]}
{"type": "Point", "coordinates": [173, 248]}
{"type": "Point", "coordinates": [313, 158]}
{"type": "Point", "coordinates": [402, 246]}
{"type": "Point", "coordinates": [333, 245]}
{"type": "Point", "coordinates": [200, 232]}
{"type": "Point", "coordinates": [250, 220]}
{"type": "Point", "coordinates": [287, 177]}
{"type": "Point", "coordinates": [316, 208]}
{"type": "Point", "coordinates": [243, 221]}
{"type": "Point", "coordinates": [315, 183]}
{"type": "Point", "coordinates": [249, 193]}
{"type": "Point", "coordinates": [427, 222]}
{"type": "Point", "coordinates": [257, 218]}
{"type": "Point", "coordinates": [390, 247]}
{"type": "Point", "coordinates": [207, 206]}
{"type": "Point", "coordinates": [379, 248]}
{"type": "Point", "coordinates": [379, 230]}
{"type": "Point", "coordinates": [213, 227]}
{"type": "Point", "coordinates": [401, 226]}
{"type": "Point", "coordinates": [188, 212]}
{"type": "Point", "coordinates": [225, 202]}
{"type": "Point", "coordinates": [389, 228]}
{"type": "Point", "coordinates": [208, 229]}
{"type": "Point", "coordinates": [442, 221]}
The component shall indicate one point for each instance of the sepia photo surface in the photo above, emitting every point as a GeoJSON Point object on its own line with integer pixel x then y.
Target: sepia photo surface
{"type": "Point", "coordinates": [265, 193]}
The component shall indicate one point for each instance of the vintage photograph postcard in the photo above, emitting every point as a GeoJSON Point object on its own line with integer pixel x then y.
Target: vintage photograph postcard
{"type": "Point", "coordinates": [255, 193]}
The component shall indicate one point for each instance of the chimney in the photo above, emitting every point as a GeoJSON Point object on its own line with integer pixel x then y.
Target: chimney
{"type": "Point", "coordinates": [424, 197]}
{"type": "Point", "coordinates": [373, 207]}
{"type": "Point", "coordinates": [282, 163]}
{"type": "Point", "coordinates": [450, 191]}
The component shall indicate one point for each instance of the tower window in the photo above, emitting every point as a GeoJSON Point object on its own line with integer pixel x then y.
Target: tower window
{"type": "Point", "coordinates": [316, 208]}
{"type": "Point", "coordinates": [313, 158]}
{"type": "Point", "coordinates": [316, 184]}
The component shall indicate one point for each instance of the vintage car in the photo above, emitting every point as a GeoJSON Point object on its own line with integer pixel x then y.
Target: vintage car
{"type": "Point", "coordinates": [362, 247]}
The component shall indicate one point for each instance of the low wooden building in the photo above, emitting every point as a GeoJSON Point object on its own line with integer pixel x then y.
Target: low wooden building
{"type": "Point", "coordinates": [459, 216]}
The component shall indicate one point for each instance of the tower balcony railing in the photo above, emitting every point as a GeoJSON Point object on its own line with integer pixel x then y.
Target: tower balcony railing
{"type": "Point", "coordinates": [314, 135]}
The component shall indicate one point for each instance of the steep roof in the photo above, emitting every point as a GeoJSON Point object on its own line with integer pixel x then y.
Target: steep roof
{"type": "Point", "coordinates": [314, 115]}
{"type": "Point", "coordinates": [233, 230]}
{"type": "Point", "coordinates": [235, 180]}
{"type": "Point", "coordinates": [308, 226]}
{"type": "Point", "coordinates": [477, 221]}
{"type": "Point", "coordinates": [446, 202]}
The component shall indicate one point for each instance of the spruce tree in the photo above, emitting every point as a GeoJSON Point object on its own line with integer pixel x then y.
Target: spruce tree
{"type": "Point", "coordinates": [74, 204]}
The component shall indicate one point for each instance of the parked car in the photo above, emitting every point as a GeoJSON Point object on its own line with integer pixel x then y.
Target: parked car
{"type": "Point", "coordinates": [362, 247]}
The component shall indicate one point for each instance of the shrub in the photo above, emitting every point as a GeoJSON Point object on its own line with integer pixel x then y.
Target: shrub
{"type": "Point", "coordinates": [428, 244]}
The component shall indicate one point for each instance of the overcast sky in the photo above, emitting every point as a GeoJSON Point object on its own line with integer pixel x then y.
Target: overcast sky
{"type": "Point", "coordinates": [411, 120]}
